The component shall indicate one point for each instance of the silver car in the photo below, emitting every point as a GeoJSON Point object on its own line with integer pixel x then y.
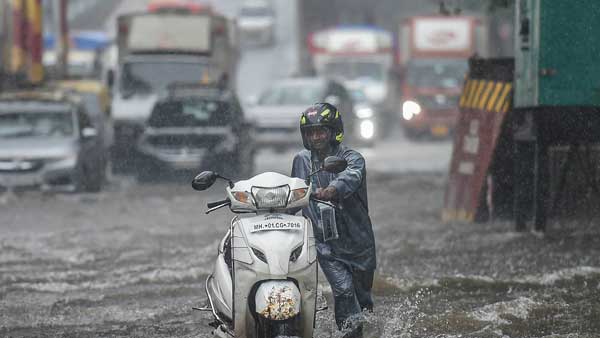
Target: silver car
{"type": "Point", "coordinates": [48, 142]}
{"type": "Point", "coordinates": [276, 112]}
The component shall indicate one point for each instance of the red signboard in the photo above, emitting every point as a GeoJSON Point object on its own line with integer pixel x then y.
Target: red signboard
{"type": "Point", "coordinates": [483, 107]}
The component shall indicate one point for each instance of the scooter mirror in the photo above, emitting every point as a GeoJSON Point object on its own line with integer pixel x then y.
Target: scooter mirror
{"type": "Point", "coordinates": [334, 164]}
{"type": "Point", "coordinates": [204, 180]}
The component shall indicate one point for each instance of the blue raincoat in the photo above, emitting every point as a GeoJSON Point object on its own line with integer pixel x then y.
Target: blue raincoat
{"type": "Point", "coordinates": [349, 261]}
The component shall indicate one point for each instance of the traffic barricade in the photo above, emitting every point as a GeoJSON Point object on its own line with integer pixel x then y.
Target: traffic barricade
{"type": "Point", "coordinates": [485, 102]}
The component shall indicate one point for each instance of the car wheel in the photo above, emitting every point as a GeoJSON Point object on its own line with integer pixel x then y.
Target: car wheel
{"type": "Point", "coordinates": [79, 179]}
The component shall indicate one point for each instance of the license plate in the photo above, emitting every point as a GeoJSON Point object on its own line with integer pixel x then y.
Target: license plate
{"type": "Point", "coordinates": [275, 225]}
{"type": "Point", "coordinates": [439, 130]}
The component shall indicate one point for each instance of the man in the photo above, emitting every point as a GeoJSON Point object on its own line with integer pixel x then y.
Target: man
{"type": "Point", "coordinates": [344, 235]}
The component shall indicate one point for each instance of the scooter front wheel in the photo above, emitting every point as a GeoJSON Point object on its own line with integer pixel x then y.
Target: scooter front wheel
{"type": "Point", "coordinates": [273, 329]}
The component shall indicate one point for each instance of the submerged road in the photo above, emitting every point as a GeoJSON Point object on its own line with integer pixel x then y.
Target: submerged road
{"type": "Point", "coordinates": [131, 262]}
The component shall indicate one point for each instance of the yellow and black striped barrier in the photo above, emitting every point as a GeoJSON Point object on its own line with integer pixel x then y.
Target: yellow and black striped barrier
{"type": "Point", "coordinates": [486, 95]}
{"type": "Point", "coordinates": [484, 105]}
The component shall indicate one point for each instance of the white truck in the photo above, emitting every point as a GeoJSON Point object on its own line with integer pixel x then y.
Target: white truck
{"type": "Point", "coordinates": [362, 58]}
{"type": "Point", "coordinates": [155, 50]}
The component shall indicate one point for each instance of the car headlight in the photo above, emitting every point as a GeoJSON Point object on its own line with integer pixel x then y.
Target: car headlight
{"type": "Point", "coordinates": [295, 254]}
{"type": "Point", "coordinates": [298, 194]}
{"type": "Point", "coordinates": [364, 113]}
{"type": "Point", "coordinates": [367, 129]}
{"type": "Point", "coordinates": [271, 197]}
{"type": "Point", "coordinates": [410, 109]}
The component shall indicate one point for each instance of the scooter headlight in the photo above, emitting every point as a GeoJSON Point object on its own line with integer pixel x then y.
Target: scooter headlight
{"type": "Point", "coordinates": [278, 300]}
{"type": "Point", "coordinates": [270, 198]}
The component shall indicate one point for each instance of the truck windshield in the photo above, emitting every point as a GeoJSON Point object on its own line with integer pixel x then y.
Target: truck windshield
{"type": "Point", "coordinates": [36, 124]}
{"type": "Point", "coordinates": [346, 71]}
{"type": "Point", "coordinates": [436, 73]}
{"type": "Point", "coordinates": [190, 113]}
{"type": "Point", "coordinates": [256, 11]}
{"type": "Point", "coordinates": [152, 77]}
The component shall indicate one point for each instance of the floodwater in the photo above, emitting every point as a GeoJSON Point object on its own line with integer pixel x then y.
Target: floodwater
{"type": "Point", "coordinates": [131, 262]}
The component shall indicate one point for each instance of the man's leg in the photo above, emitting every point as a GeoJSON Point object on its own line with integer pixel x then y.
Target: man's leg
{"type": "Point", "coordinates": [363, 283]}
{"type": "Point", "coordinates": [339, 277]}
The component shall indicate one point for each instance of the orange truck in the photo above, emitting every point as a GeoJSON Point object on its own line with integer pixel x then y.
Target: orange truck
{"type": "Point", "coordinates": [433, 54]}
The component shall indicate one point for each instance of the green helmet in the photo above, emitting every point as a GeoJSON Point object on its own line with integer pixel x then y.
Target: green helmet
{"type": "Point", "coordinates": [322, 115]}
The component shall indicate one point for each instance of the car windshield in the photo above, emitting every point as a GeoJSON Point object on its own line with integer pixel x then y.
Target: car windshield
{"type": "Point", "coordinates": [292, 94]}
{"type": "Point", "coordinates": [36, 124]}
{"type": "Point", "coordinates": [191, 113]}
{"type": "Point", "coordinates": [346, 71]}
{"type": "Point", "coordinates": [151, 77]}
{"type": "Point", "coordinates": [436, 73]}
{"type": "Point", "coordinates": [358, 95]}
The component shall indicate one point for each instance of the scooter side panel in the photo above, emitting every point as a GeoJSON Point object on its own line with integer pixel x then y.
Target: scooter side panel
{"type": "Point", "coordinates": [220, 288]}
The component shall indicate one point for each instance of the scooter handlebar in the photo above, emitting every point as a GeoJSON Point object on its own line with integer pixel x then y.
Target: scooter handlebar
{"type": "Point", "coordinates": [312, 198]}
{"type": "Point", "coordinates": [211, 205]}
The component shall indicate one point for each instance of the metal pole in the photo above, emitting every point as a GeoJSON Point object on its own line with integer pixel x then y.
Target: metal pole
{"type": "Point", "coordinates": [61, 33]}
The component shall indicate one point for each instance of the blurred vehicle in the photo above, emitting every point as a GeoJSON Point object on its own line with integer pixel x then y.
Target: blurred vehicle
{"type": "Point", "coordinates": [177, 6]}
{"type": "Point", "coordinates": [85, 54]}
{"type": "Point", "coordinates": [434, 52]}
{"type": "Point", "coordinates": [276, 113]}
{"type": "Point", "coordinates": [47, 140]}
{"type": "Point", "coordinates": [358, 54]}
{"type": "Point", "coordinates": [256, 21]}
{"type": "Point", "coordinates": [96, 98]}
{"type": "Point", "coordinates": [196, 126]}
{"type": "Point", "coordinates": [155, 50]}
{"type": "Point", "coordinates": [365, 114]}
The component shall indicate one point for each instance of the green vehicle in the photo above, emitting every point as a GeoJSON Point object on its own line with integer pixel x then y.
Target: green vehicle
{"type": "Point", "coordinates": [556, 99]}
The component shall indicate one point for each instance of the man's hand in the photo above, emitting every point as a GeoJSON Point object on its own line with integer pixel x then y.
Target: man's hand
{"type": "Point", "coordinates": [327, 194]}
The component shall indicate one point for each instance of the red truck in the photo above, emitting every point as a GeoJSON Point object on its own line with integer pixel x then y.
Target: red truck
{"type": "Point", "coordinates": [433, 58]}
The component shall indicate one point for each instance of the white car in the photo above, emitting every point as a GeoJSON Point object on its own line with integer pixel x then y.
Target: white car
{"type": "Point", "coordinates": [276, 114]}
{"type": "Point", "coordinates": [256, 22]}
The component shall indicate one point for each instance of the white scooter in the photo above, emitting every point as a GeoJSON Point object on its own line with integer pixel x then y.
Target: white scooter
{"type": "Point", "coordinates": [264, 282]}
